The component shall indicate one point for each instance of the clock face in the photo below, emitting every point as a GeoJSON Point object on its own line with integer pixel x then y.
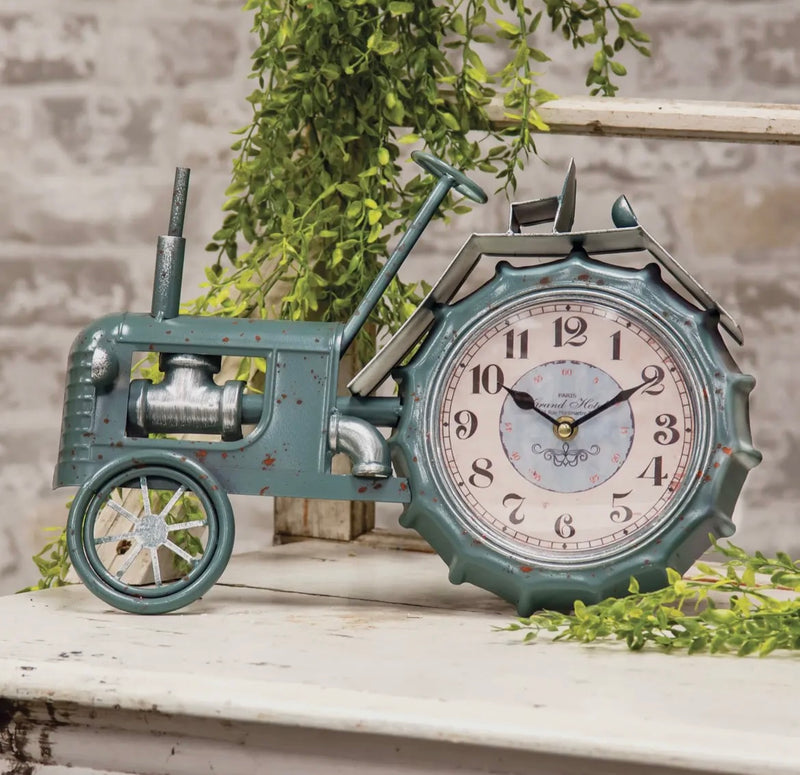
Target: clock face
{"type": "Point", "coordinates": [568, 427]}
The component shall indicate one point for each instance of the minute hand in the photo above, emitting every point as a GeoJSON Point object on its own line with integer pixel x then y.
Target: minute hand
{"type": "Point", "coordinates": [623, 395]}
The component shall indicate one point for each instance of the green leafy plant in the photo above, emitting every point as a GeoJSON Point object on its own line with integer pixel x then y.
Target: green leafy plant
{"type": "Point", "coordinates": [686, 614]}
{"type": "Point", "coordinates": [318, 189]}
{"type": "Point", "coordinates": [52, 562]}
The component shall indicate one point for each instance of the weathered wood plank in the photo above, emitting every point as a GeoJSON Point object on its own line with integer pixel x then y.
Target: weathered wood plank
{"type": "Point", "coordinates": [739, 122]}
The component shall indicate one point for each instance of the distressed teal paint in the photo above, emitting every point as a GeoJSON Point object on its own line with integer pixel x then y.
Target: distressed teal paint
{"type": "Point", "coordinates": [722, 458]}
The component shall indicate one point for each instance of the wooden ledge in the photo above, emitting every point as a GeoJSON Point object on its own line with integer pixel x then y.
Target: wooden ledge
{"type": "Point", "coordinates": [740, 122]}
{"type": "Point", "coordinates": [326, 654]}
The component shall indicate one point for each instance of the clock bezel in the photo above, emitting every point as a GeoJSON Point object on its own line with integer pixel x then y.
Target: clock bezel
{"type": "Point", "coordinates": [617, 300]}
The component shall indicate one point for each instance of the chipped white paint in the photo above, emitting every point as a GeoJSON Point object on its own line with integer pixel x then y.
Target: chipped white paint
{"type": "Point", "coordinates": [321, 657]}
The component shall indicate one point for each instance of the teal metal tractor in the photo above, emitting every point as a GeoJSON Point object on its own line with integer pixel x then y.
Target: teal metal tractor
{"type": "Point", "coordinates": [151, 527]}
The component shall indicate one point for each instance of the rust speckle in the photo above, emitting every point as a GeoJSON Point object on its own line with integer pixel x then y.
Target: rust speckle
{"type": "Point", "coordinates": [299, 400]}
{"type": "Point", "coordinates": [263, 490]}
{"type": "Point", "coordinates": [201, 454]}
{"type": "Point", "coordinates": [377, 486]}
{"type": "Point", "coordinates": [225, 339]}
{"type": "Point", "coordinates": [706, 478]}
{"type": "Point", "coordinates": [545, 281]}
{"type": "Point", "coordinates": [169, 331]}
{"type": "Point", "coordinates": [716, 465]}
{"type": "Point", "coordinates": [525, 568]}
{"type": "Point", "coordinates": [403, 486]}
{"type": "Point", "coordinates": [224, 455]}
{"type": "Point", "coordinates": [268, 461]}
{"type": "Point", "coordinates": [105, 420]}
{"type": "Point", "coordinates": [258, 338]}
{"type": "Point", "coordinates": [583, 277]}
{"type": "Point", "coordinates": [362, 488]}
{"type": "Point", "coordinates": [727, 450]}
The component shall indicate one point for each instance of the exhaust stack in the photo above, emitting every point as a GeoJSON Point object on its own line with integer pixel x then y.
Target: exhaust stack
{"type": "Point", "coordinates": [169, 254]}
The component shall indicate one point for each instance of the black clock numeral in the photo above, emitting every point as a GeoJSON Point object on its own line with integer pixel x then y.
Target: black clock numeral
{"type": "Point", "coordinates": [658, 475]}
{"type": "Point", "coordinates": [616, 340]}
{"type": "Point", "coordinates": [574, 328]}
{"type": "Point", "coordinates": [517, 344]}
{"type": "Point", "coordinates": [466, 424]}
{"type": "Point", "coordinates": [482, 476]}
{"type": "Point", "coordinates": [563, 526]}
{"type": "Point", "coordinates": [514, 517]}
{"type": "Point", "coordinates": [670, 435]}
{"type": "Point", "coordinates": [655, 376]}
{"type": "Point", "coordinates": [490, 379]}
{"type": "Point", "coordinates": [620, 513]}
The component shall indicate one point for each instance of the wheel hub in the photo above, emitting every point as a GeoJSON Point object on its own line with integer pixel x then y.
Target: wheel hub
{"type": "Point", "coordinates": [151, 531]}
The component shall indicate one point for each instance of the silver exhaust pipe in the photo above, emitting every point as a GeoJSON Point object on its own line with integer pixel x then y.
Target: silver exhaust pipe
{"type": "Point", "coordinates": [362, 443]}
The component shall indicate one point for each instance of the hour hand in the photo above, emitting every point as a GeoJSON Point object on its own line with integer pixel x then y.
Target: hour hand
{"type": "Point", "coordinates": [526, 401]}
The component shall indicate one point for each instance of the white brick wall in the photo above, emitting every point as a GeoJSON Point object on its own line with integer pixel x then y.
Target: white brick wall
{"type": "Point", "coordinates": [100, 101]}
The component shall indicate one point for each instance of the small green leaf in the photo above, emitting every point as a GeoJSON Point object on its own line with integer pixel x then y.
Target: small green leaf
{"type": "Point", "coordinates": [629, 11]}
{"type": "Point", "coordinates": [508, 27]}
{"type": "Point", "coordinates": [349, 190]}
{"type": "Point", "coordinates": [397, 8]}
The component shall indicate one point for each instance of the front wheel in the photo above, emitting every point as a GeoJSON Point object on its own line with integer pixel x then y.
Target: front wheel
{"type": "Point", "coordinates": [150, 535]}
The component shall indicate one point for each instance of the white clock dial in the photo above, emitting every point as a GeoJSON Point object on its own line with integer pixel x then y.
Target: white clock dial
{"type": "Point", "coordinates": [566, 428]}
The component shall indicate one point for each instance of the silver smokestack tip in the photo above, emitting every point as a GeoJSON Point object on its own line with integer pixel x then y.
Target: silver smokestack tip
{"type": "Point", "coordinates": [178, 210]}
{"type": "Point", "coordinates": [169, 254]}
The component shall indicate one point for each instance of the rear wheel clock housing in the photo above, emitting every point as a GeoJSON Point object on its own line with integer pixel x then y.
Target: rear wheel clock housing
{"type": "Point", "coordinates": [568, 426]}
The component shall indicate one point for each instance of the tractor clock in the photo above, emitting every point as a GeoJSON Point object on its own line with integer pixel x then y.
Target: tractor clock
{"type": "Point", "coordinates": [570, 424]}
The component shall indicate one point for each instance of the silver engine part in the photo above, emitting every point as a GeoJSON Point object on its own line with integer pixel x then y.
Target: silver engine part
{"type": "Point", "coordinates": [187, 400]}
{"type": "Point", "coordinates": [362, 443]}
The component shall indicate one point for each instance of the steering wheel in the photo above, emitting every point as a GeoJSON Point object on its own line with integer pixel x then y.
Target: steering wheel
{"type": "Point", "coordinates": [440, 169]}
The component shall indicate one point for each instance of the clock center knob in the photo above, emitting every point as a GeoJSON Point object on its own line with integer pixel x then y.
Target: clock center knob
{"type": "Point", "coordinates": [564, 428]}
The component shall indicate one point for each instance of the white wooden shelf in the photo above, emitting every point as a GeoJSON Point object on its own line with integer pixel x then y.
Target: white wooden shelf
{"type": "Point", "coordinates": [319, 657]}
{"type": "Point", "coordinates": [741, 122]}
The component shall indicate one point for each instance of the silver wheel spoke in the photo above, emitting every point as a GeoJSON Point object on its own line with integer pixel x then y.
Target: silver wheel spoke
{"type": "Point", "coordinates": [133, 553]}
{"type": "Point", "coordinates": [187, 525]}
{"type": "Point", "coordinates": [109, 539]}
{"type": "Point", "coordinates": [156, 566]}
{"type": "Point", "coordinates": [122, 511]}
{"type": "Point", "coordinates": [172, 501]}
{"type": "Point", "coordinates": [180, 552]}
{"type": "Point", "coordinates": [145, 495]}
